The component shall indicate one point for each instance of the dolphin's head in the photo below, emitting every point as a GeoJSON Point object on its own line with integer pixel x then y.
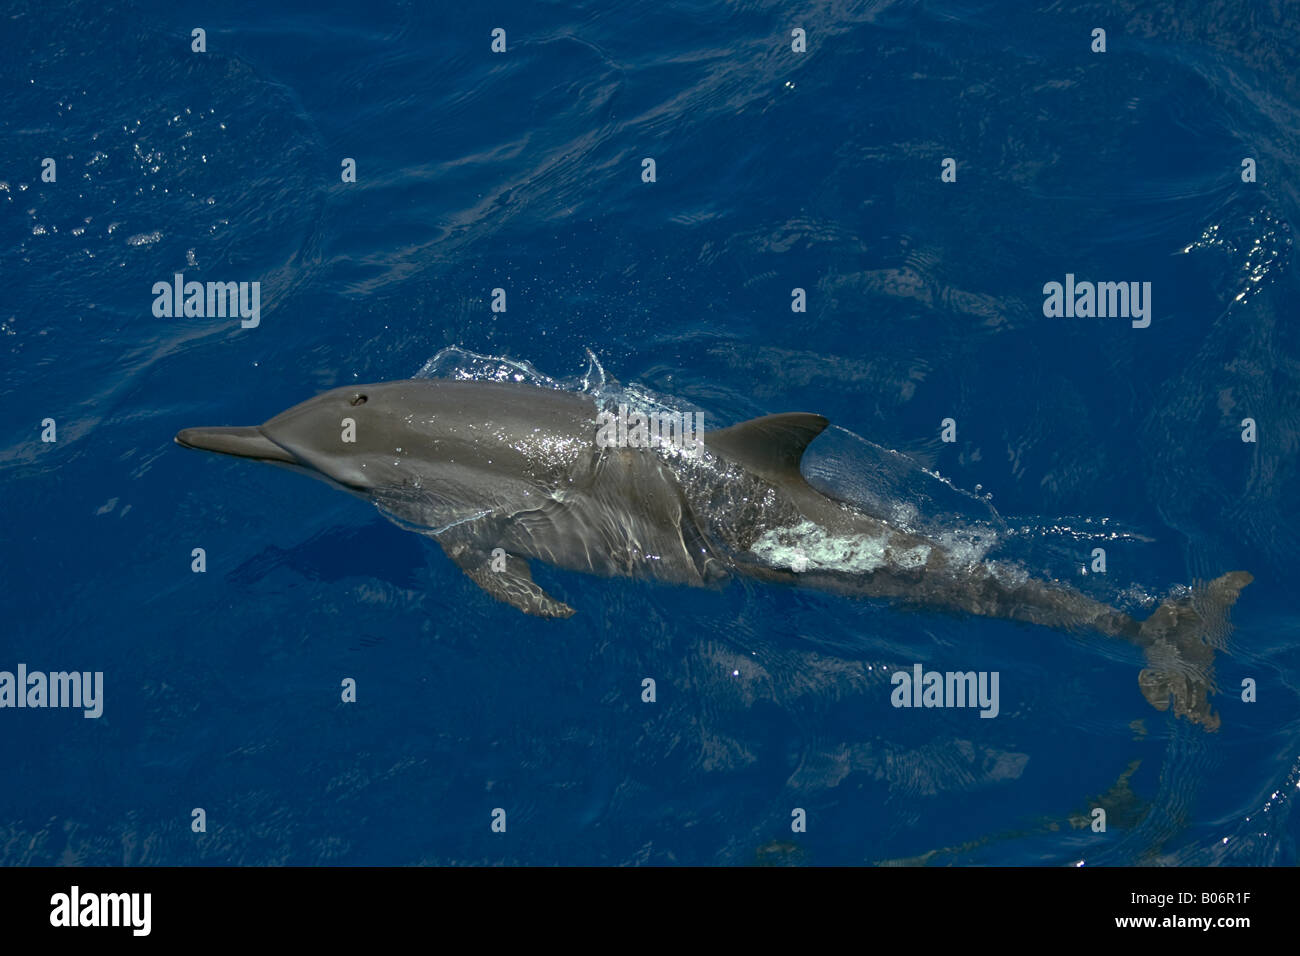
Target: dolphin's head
{"type": "Point", "coordinates": [354, 436]}
{"type": "Point", "coordinates": [459, 441]}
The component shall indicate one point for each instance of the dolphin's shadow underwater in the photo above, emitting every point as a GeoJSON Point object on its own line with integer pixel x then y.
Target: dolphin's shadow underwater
{"type": "Point", "coordinates": [501, 473]}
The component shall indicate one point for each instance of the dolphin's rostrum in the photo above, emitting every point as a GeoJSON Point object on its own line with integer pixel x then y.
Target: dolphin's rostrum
{"type": "Point", "coordinates": [514, 470]}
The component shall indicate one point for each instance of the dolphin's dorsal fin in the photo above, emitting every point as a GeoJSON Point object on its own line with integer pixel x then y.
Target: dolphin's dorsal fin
{"type": "Point", "coordinates": [771, 446]}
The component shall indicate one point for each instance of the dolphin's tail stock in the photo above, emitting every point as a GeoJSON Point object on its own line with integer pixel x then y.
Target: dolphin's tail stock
{"type": "Point", "coordinates": [1179, 641]}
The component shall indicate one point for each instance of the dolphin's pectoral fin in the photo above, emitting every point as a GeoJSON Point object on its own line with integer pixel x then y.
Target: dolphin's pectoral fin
{"type": "Point", "coordinates": [507, 578]}
{"type": "Point", "coordinates": [515, 586]}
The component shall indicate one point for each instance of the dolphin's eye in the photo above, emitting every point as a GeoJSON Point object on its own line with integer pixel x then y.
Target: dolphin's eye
{"type": "Point", "coordinates": [358, 399]}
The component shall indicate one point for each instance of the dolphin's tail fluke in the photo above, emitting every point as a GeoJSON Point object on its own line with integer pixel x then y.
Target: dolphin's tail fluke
{"type": "Point", "coordinates": [1180, 639]}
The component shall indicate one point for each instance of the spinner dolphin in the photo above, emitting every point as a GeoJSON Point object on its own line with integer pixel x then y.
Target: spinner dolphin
{"type": "Point", "coordinates": [503, 473]}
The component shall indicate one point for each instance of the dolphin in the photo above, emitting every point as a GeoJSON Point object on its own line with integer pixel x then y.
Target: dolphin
{"type": "Point", "coordinates": [504, 473]}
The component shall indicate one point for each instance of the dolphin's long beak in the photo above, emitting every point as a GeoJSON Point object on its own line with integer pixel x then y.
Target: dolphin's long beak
{"type": "Point", "coordinates": [248, 442]}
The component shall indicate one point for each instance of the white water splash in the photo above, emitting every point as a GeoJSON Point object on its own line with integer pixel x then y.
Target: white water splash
{"type": "Point", "coordinates": [809, 547]}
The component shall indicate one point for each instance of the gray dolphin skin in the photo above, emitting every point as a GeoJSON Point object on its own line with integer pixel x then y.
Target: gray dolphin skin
{"type": "Point", "coordinates": [501, 473]}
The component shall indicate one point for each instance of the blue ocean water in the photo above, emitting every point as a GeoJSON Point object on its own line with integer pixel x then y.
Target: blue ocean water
{"type": "Point", "coordinates": [522, 170]}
